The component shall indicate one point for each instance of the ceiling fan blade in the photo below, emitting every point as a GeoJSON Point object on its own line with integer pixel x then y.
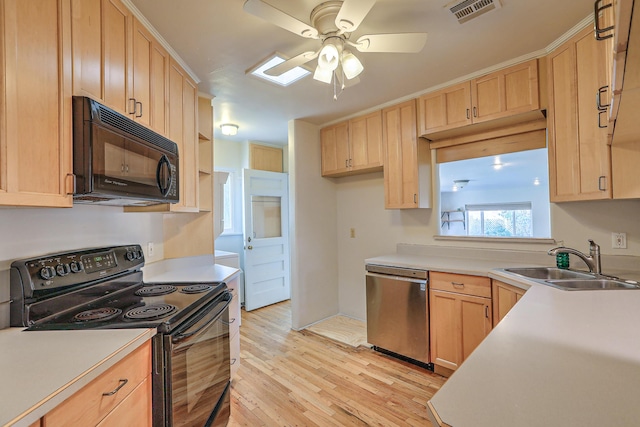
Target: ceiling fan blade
{"type": "Point", "coordinates": [400, 43]}
{"type": "Point", "coordinates": [352, 13]}
{"type": "Point", "coordinates": [277, 17]}
{"type": "Point", "coordinates": [292, 63]}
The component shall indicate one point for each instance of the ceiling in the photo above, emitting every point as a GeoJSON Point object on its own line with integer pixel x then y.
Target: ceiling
{"type": "Point", "coordinates": [516, 171]}
{"type": "Point", "coordinates": [219, 42]}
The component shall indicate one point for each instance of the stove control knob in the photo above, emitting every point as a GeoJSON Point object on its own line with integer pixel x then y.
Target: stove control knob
{"type": "Point", "coordinates": [47, 273]}
{"type": "Point", "coordinates": [140, 255]}
{"type": "Point", "coordinates": [131, 255]}
{"type": "Point", "coordinates": [63, 269]}
{"type": "Point", "coordinates": [75, 266]}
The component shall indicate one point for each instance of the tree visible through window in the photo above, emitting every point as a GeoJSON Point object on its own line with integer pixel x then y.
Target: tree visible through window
{"type": "Point", "coordinates": [500, 220]}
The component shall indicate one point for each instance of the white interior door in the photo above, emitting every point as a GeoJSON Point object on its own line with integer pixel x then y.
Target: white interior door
{"type": "Point", "coordinates": [266, 238]}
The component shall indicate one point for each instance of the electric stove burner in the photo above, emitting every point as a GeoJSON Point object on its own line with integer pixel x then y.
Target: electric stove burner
{"type": "Point", "coordinates": [104, 313]}
{"type": "Point", "coordinates": [196, 289]}
{"type": "Point", "coordinates": [152, 311]}
{"type": "Point", "coordinates": [155, 290]}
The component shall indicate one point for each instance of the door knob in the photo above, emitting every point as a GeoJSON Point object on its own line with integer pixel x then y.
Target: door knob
{"type": "Point", "coordinates": [249, 247]}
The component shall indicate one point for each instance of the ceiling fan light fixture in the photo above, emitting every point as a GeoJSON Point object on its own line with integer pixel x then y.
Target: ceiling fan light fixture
{"type": "Point", "coordinates": [351, 65]}
{"type": "Point", "coordinates": [229, 129]}
{"type": "Point", "coordinates": [329, 57]}
{"type": "Point", "coordinates": [323, 75]}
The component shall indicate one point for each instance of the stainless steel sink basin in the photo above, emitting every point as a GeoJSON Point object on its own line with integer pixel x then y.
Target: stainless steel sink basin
{"type": "Point", "coordinates": [549, 273]}
{"type": "Point", "coordinates": [591, 284]}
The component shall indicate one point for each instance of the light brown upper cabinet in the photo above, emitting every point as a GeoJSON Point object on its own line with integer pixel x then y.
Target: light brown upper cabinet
{"type": "Point", "coordinates": [352, 147]}
{"type": "Point", "coordinates": [183, 107]}
{"type": "Point", "coordinates": [507, 92]}
{"type": "Point", "coordinates": [264, 158]}
{"type": "Point", "coordinates": [407, 159]}
{"type": "Point", "coordinates": [35, 126]}
{"type": "Point", "coordinates": [579, 157]}
{"type": "Point", "coordinates": [625, 144]}
{"type": "Point", "coordinates": [118, 62]}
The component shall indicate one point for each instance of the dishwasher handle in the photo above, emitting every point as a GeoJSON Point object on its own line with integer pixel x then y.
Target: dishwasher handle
{"type": "Point", "coordinates": [403, 279]}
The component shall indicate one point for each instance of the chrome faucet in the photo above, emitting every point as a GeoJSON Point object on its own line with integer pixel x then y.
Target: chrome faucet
{"type": "Point", "coordinates": [592, 260]}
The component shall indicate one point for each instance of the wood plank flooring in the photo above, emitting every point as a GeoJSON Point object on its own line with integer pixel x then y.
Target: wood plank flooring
{"type": "Point", "coordinates": [343, 329]}
{"type": "Point", "coordinates": [289, 378]}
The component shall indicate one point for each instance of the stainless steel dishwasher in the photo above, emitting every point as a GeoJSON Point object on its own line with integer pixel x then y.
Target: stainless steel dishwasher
{"type": "Point", "coordinates": [397, 315]}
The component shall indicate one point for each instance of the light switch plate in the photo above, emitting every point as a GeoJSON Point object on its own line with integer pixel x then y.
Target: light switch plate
{"type": "Point", "coordinates": [619, 240]}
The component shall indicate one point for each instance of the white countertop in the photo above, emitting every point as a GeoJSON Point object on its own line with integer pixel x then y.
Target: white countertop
{"type": "Point", "coordinates": [559, 358]}
{"type": "Point", "coordinates": [38, 371]}
{"type": "Point", "coordinates": [189, 269]}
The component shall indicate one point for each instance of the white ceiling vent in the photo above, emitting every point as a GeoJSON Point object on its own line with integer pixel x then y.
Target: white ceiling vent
{"type": "Point", "coordinates": [469, 9]}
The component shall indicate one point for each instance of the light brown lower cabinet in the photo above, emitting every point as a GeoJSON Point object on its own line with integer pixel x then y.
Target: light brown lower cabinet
{"type": "Point", "coordinates": [505, 296]}
{"type": "Point", "coordinates": [460, 317]}
{"type": "Point", "coordinates": [119, 397]}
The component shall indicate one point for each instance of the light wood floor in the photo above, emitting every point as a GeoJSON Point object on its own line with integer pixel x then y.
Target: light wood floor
{"type": "Point", "coordinates": [343, 329]}
{"type": "Point", "coordinates": [289, 378]}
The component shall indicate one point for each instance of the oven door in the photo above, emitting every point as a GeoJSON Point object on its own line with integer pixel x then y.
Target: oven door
{"type": "Point", "coordinates": [198, 363]}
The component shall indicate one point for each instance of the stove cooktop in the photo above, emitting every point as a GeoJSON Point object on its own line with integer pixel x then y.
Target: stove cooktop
{"type": "Point", "coordinates": [140, 306]}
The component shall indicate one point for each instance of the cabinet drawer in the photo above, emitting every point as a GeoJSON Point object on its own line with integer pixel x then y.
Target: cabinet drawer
{"type": "Point", "coordinates": [461, 284]}
{"type": "Point", "coordinates": [134, 410]}
{"type": "Point", "coordinates": [89, 406]}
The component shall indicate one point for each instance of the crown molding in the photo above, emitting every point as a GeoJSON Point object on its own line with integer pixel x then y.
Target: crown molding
{"type": "Point", "coordinates": [136, 12]}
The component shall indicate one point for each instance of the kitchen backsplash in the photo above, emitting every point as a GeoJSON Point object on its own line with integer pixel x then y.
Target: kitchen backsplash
{"type": "Point", "coordinates": [32, 231]}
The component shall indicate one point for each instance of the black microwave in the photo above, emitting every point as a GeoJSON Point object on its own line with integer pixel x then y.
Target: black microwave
{"type": "Point", "coordinates": [119, 162]}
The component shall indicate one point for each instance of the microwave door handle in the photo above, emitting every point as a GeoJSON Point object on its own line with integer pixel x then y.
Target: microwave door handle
{"type": "Point", "coordinates": [164, 171]}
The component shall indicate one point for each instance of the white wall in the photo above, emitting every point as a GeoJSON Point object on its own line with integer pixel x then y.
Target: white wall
{"type": "Point", "coordinates": [360, 204]}
{"type": "Point", "coordinates": [35, 231]}
{"type": "Point", "coordinates": [313, 222]}
{"type": "Point", "coordinates": [537, 195]}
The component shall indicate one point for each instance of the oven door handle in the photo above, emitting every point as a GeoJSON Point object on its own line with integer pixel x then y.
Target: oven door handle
{"type": "Point", "coordinates": [206, 318]}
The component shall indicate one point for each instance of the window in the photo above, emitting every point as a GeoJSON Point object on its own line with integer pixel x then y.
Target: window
{"type": "Point", "coordinates": [500, 220]}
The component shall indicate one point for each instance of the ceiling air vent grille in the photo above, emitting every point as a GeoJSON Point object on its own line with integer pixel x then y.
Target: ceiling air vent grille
{"type": "Point", "coordinates": [470, 9]}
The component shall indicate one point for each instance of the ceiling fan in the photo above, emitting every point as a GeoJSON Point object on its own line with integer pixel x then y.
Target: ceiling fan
{"type": "Point", "coordinates": [332, 23]}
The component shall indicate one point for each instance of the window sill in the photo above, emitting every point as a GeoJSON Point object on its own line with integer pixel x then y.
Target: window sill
{"type": "Point", "coordinates": [534, 240]}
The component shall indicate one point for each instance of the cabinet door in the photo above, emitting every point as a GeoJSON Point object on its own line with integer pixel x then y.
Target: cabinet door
{"type": "Point", "coordinates": [183, 131]}
{"type": "Point", "coordinates": [595, 154]}
{"type": "Point", "coordinates": [459, 323]}
{"type": "Point", "coordinates": [35, 160]}
{"type": "Point", "coordinates": [505, 92]}
{"type": "Point", "coordinates": [142, 48]}
{"type": "Point", "coordinates": [579, 157]}
{"type": "Point", "coordinates": [189, 153]}
{"type": "Point", "coordinates": [86, 25]}
{"type": "Point", "coordinates": [505, 296]}
{"type": "Point", "coordinates": [334, 141]}
{"type": "Point", "coordinates": [116, 36]}
{"type": "Point", "coordinates": [445, 109]}
{"type": "Point", "coordinates": [475, 322]}
{"type": "Point", "coordinates": [444, 329]}
{"type": "Point", "coordinates": [401, 186]}
{"type": "Point", "coordinates": [365, 142]}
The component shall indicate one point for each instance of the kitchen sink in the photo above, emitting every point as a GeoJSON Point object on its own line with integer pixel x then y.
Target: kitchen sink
{"type": "Point", "coordinates": [549, 273]}
{"type": "Point", "coordinates": [591, 284]}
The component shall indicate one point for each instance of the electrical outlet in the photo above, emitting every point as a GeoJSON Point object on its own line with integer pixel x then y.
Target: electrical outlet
{"type": "Point", "coordinates": [619, 240]}
{"type": "Point", "coordinates": [150, 249]}
{"type": "Point", "coordinates": [352, 233]}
